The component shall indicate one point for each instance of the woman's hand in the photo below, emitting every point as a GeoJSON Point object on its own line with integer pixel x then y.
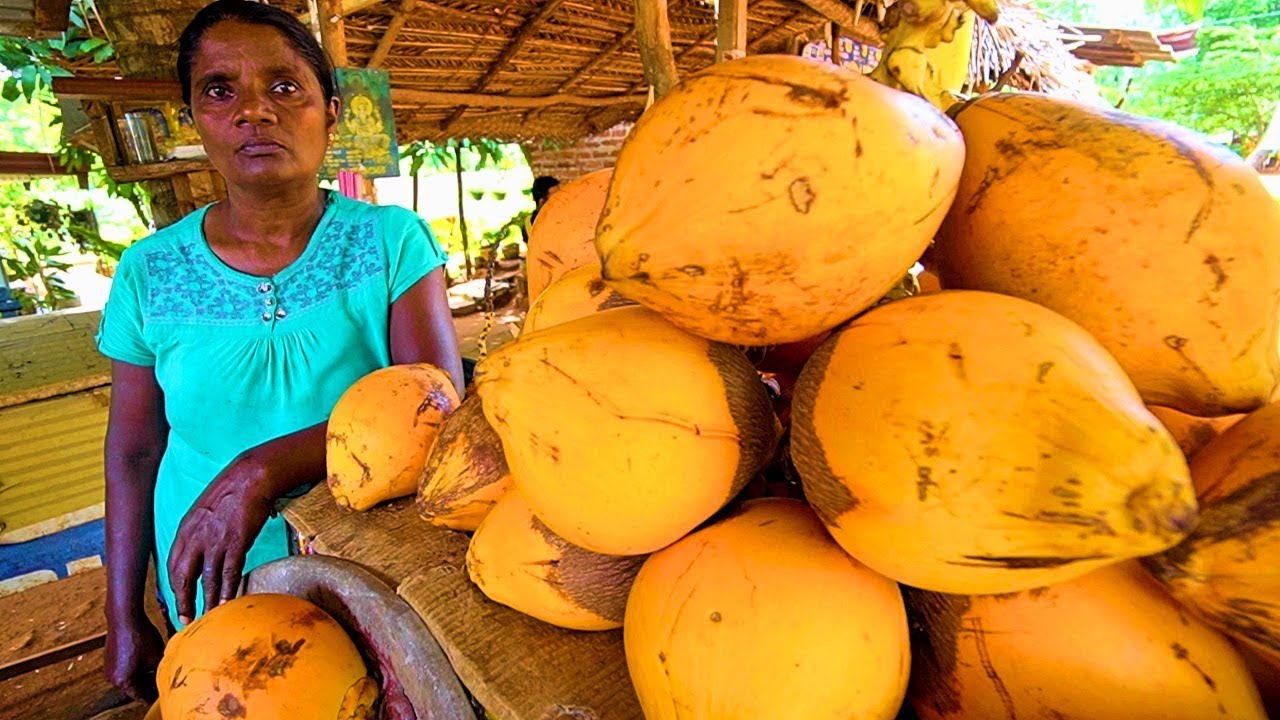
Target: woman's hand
{"type": "Point", "coordinates": [133, 651]}
{"type": "Point", "coordinates": [225, 520]}
{"type": "Point", "coordinates": [216, 534]}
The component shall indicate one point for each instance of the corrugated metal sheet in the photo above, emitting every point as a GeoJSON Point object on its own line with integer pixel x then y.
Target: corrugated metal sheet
{"type": "Point", "coordinates": [51, 474]}
{"type": "Point", "coordinates": [53, 418]}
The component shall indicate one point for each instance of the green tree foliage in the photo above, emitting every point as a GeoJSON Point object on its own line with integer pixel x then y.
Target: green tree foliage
{"type": "Point", "coordinates": [1231, 87]}
{"type": "Point", "coordinates": [31, 65]}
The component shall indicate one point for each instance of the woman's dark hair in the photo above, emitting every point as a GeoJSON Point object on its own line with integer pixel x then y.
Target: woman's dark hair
{"type": "Point", "coordinates": [542, 187]}
{"type": "Point", "coordinates": [252, 13]}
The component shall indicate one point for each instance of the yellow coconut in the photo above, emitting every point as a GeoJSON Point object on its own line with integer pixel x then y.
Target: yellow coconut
{"type": "Point", "coordinates": [1228, 569]}
{"type": "Point", "coordinates": [380, 431]}
{"type": "Point", "coordinates": [465, 471]}
{"type": "Point", "coordinates": [561, 239]}
{"type": "Point", "coordinates": [264, 656]}
{"type": "Point", "coordinates": [770, 198]}
{"type": "Point", "coordinates": [974, 443]}
{"type": "Point", "coordinates": [624, 432]}
{"type": "Point", "coordinates": [578, 294]}
{"type": "Point", "coordinates": [1106, 646]}
{"type": "Point", "coordinates": [1166, 248]}
{"type": "Point", "coordinates": [516, 560]}
{"type": "Point", "coordinates": [761, 616]}
{"type": "Point", "coordinates": [1191, 432]}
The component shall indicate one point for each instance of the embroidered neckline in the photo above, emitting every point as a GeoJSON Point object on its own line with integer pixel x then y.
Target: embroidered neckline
{"type": "Point", "coordinates": [317, 235]}
{"type": "Point", "coordinates": [188, 283]}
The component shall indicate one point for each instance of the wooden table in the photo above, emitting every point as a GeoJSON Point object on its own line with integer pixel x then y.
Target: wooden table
{"type": "Point", "coordinates": [517, 667]}
{"type": "Point", "coordinates": [51, 656]}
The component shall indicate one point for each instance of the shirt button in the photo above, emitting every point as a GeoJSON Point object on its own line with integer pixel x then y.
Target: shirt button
{"type": "Point", "coordinates": [266, 317]}
{"type": "Point", "coordinates": [280, 313]}
{"type": "Point", "coordinates": [269, 302]}
{"type": "Point", "coordinates": [264, 288]}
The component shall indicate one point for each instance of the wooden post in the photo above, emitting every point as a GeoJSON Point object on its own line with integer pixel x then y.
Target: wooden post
{"type": "Point", "coordinates": [332, 31]}
{"type": "Point", "coordinates": [462, 216]}
{"type": "Point", "coordinates": [653, 35]}
{"type": "Point", "coordinates": [731, 29]}
{"type": "Point", "coordinates": [833, 41]}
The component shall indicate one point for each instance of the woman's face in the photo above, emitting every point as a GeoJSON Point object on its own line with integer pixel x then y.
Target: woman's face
{"type": "Point", "coordinates": [259, 106]}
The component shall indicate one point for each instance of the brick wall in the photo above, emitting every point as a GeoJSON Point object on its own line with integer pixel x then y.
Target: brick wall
{"type": "Point", "coordinates": [586, 155]}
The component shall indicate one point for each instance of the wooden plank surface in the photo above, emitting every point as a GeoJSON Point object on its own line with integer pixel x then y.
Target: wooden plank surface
{"type": "Point", "coordinates": [49, 616]}
{"type": "Point", "coordinates": [390, 540]}
{"type": "Point", "coordinates": [37, 622]}
{"type": "Point", "coordinates": [520, 668]}
{"type": "Point", "coordinates": [517, 667]}
{"type": "Point", "coordinates": [43, 356]}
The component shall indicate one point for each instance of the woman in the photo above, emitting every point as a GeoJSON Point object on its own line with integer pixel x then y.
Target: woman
{"type": "Point", "coordinates": [234, 332]}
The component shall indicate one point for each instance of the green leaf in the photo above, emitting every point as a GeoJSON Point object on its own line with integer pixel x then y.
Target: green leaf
{"type": "Point", "coordinates": [30, 78]}
{"type": "Point", "coordinates": [1191, 9]}
{"type": "Point", "coordinates": [11, 91]}
{"type": "Point", "coordinates": [103, 54]}
{"type": "Point", "coordinates": [91, 44]}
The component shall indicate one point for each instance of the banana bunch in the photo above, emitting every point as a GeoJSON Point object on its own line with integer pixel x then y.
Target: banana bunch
{"type": "Point", "coordinates": [927, 46]}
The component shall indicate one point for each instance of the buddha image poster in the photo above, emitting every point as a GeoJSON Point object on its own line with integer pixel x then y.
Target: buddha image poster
{"type": "Point", "coordinates": [366, 137]}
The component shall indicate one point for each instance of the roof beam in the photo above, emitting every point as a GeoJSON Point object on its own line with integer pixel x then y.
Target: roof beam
{"type": "Point", "coordinates": [32, 163]}
{"type": "Point", "coordinates": [500, 63]}
{"type": "Point", "coordinates": [388, 39]}
{"type": "Point", "coordinates": [594, 118]}
{"type": "Point", "coordinates": [599, 59]}
{"type": "Point", "coordinates": [412, 96]}
{"type": "Point", "coordinates": [842, 15]}
{"type": "Point", "coordinates": [595, 62]}
{"type": "Point", "coordinates": [89, 88]}
{"type": "Point", "coordinates": [769, 34]}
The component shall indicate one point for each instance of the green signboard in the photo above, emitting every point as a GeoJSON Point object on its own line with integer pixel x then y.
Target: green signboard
{"type": "Point", "coordinates": [366, 136]}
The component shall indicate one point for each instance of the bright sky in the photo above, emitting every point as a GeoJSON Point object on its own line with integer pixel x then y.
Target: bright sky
{"type": "Point", "coordinates": [1118, 12]}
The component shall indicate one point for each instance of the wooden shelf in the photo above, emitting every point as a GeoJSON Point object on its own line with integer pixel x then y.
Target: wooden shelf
{"type": "Point", "coordinates": [156, 171]}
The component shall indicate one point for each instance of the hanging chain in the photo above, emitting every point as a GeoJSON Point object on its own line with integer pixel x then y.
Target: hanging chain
{"type": "Point", "coordinates": [483, 350]}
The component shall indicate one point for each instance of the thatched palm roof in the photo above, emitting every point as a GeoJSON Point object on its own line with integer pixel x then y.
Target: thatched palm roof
{"type": "Point", "coordinates": [583, 51]}
{"type": "Point", "coordinates": [520, 69]}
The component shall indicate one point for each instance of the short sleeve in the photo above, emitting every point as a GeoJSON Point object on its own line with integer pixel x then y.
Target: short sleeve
{"type": "Point", "coordinates": [120, 330]}
{"type": "Point", "coordinates": [412, 250]}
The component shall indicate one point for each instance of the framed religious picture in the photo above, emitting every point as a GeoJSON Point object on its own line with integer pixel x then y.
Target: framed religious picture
{"type": "Point", "coordinates": [365, 142]}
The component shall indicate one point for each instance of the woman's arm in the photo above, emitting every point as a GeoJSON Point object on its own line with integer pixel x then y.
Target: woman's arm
{"type": "Point", "coordinates": [136, 437]}
{"type": "Point", "coordinates": [422, 328]}
{"type": "Point", "coordinates": [225, 520]}
{"type": "Point", "coordinates": [223, 523]}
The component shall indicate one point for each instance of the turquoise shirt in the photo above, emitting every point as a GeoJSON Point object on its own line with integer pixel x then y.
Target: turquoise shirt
{"type": "Point", "coordinates": [244, 359]}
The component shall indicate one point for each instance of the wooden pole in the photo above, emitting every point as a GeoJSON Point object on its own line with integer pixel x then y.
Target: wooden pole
{"type": "Point", "coordinates": [332, 31]}
{"type": "Point", "coordinates": [462, 217]}
{"type": "Point", "coordinates": [731, 29]}
{"type": "Point", "coordinates": [653, 34]}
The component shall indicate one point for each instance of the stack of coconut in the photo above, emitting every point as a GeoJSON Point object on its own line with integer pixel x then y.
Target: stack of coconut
{"type": "Point", "coordinates": [981, 465]}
